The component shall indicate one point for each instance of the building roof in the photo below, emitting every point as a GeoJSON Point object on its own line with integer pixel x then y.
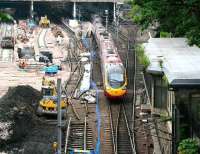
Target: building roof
{"type": "Point", "coordinates": [180, 62]}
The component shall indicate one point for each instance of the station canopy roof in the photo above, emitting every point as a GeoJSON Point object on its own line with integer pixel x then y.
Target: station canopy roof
{"type": "Point", "coordinates": [174, 58]}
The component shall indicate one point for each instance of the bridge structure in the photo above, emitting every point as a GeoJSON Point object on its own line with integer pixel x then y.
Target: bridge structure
{"type": "Point", "coordinates": [116, 3]}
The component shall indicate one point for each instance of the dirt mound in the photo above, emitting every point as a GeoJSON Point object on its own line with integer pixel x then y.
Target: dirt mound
{"type": "Point", "coordinates": [17, 114]}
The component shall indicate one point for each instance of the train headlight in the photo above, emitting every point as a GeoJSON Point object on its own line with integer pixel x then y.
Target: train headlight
{"type": "Point", "coordinates": [108, 88]}
{"type": "Point", "coordinates": [124, 88]}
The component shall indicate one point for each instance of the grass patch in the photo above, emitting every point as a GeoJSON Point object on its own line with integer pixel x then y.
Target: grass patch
{"type": "Point", "coordinates": [143, 59]}
{"type": "Point", "coordinates": [166, 82]}
{"type": "Point", "coordinates": [165, 35]}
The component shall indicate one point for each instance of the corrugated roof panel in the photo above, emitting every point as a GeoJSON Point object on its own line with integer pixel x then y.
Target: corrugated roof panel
{"type": "Point", "coordinates": [180, 61]}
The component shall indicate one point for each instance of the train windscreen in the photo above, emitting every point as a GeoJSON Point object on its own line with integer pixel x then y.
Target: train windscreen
{"type": "Point", "coordinates": [116, 77]}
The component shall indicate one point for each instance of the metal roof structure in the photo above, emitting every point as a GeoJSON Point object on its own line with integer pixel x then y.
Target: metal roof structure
{"type": "Point", "coordinates": [173, 57]}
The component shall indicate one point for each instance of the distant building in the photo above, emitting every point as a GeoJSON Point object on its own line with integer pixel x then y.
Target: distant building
{"type": "Point", "coordinates": [173, 81]}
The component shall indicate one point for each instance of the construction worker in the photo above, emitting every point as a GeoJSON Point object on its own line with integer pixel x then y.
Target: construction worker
{"type": "Point", "coordinates": [22, 64]}
{"type": "Point", "coordinates": [55, 147]}
{"type": "Point", "coordinates": [43, 80]}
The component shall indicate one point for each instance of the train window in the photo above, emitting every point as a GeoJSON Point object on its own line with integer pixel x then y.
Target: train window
{"type": "Point", "coordinates": [116, 77]}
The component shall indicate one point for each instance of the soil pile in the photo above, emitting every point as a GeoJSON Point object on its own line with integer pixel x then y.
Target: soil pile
{"type": "Point", "coordinates": [17, 115]}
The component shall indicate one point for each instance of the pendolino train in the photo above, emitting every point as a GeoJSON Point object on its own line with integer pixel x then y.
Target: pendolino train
{"type": "Point", "coordinates": [113, 71]}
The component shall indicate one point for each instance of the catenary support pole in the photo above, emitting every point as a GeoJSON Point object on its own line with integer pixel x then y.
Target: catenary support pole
{"type": "Point", "coordinates": [59, 116]}
{"type": "Point", "coordinates": [114, 11]}
{"type": "Point", "coordinates": [106, 13]}
{"type": "Point", "coordinates": [74, 10]}
{"type": "Point", "coordinates": [31, 10]}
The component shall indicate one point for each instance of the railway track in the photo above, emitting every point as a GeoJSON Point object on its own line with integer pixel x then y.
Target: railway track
{"type": "Point", "coordinates": [126, 110]}
{"type": "Point", "coordinates": [74, 63]}
{"type": "Point", "coordinates": [72, 34]}
{"type": "Point", "coordinates": [79, 137]}
{"type": "Point", "coordinates": [141, 132]}
{"type": "Point", "coordinates": [121, 133]}
{"type": "Point", "coordinates": [75, 73]}
{"type": "Point", "coordinates": [118, 116]}
{"type": "Point", "coordinates": [79, 134]}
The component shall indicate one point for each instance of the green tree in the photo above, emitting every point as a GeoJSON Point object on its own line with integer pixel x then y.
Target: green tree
{"type": "Point", "coordinates": [4, 17]}
{"type": "Point", "coordinates": [180, 17]}
{"type": "Point", "coordinates": [188, 146]}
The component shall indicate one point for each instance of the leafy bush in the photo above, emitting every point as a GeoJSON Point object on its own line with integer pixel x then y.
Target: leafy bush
{"type": "Point", "coordinates": [165, 35]}
{"type": "Point", "coordinates": [143, 59]}
{"type": "Point", "coordinates": [188, 146]}
{"type": "Point", "coordinates": [4, 17]}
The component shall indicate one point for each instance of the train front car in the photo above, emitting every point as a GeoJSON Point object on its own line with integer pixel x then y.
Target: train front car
{"type": "Point", "coordinates": [113, 71]}
{"type": "Point", "coordinates": [115, 81]}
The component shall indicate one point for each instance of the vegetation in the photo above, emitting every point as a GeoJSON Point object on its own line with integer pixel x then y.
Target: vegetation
{"type": "Point", "coordinates": [164, 78]}
{"type": "Point", "coordinates": [143, 59]}
{"type": "Point", "coordinates": [4, 17]}
{"type": "Point", "coordinates": [179, 17]}
{"type": "Point", "coordinates": [188, 146]}
{"type": "Point", "coordinates": [165, 34]}
{"type": "Point", "coordinates": [164, 117]}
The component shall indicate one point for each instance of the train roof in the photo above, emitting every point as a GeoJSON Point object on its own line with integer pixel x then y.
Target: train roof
{"type": "Point", "coordinates": [115, 66]}
{"type": "Point", "coordinates": [180, 62]}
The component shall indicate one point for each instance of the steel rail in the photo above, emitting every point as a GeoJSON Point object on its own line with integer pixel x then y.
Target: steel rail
{"type": "Point", "coordinates": [121, 115]}
{"type": "Point", "coordinates": [134, 100]}
{"type": "Point", "coordinates": [70, 77]}
{"type": "Point", "coordinates": [128, 129]}
{"type": "Point", "coordinates": [69, 58]}
{"type": "Point", "coordinates": [67, 135]}
{"type": "Point", "coordinates": [126, 39]}
{"type": "Point", "coordinates": [68, 28]}
{"type": "Point", "coordinates": [85, 135]}
{"type": "Point", "coordinates": [112, 130]}
{"type": "Point", "coordinates": [117, 128]}
{"type": "Point", "coordinates": [79, 79]}
{"type": "Point", "coordinates": [73, 71]}
{"type": "Point", "coordinates": [72, 92]}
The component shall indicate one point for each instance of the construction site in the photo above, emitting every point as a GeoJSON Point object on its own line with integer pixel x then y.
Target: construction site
{"type": "Point", "coordinates": [73, 84]}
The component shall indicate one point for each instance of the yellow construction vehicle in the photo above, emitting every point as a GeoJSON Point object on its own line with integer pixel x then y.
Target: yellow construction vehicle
{"type": "Point", "coordinates": [44, 22]}
{"type": "Point", "coordinates": [48, 104]}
